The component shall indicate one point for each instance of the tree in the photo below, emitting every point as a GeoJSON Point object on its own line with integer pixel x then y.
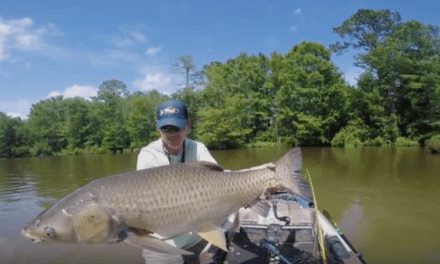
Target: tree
{"type": "Point", "coordinates": [141, 116]}
{"type": "Point", "coordinates": [247, 76]}
{"type": "Point", "coordinates": [79, 125]}
{"type": "Point", "coordinates": [194, 102]}
{"type": "Point", "coordinates": [110, 107]}
{"type": "Point", "coordinates": [185, 66]}
{"type": "Point", "coordinates": [112, 87]}
{"type": "Point", "coordinates": [366, 28]}
{"type": "Point", "coordinates": [7, 136]}
{"type": "Point", "coordinates": [222, 127]}
{"type": "Point", "coordinates": [45, 122]}
{"type": "Point", "coordinates": [313, 100]}
{"type": "Point", "coordinates": [403, 59]}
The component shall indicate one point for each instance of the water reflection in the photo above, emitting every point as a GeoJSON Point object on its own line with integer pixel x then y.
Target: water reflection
{"type": "Point", "coordinates": [384, 199]}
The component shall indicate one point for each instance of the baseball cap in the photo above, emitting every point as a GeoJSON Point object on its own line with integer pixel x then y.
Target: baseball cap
{"type": "Point", "coordinates": [172, 112]}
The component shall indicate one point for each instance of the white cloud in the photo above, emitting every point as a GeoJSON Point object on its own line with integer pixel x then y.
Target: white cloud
{"type": "Point", "coordinates": [153, 51]}
{"type": "Point", "coordinates": [297, 12]}
{"type": "Point", "coordinates": [12, 114]}
{"type": "Point", "coordinates": [150, 82]}
{"type": "Point", "coordinates": [54, 94]}
{"type": "Point", "coordinates": [28, 42]}
{"type": "Point", "coordinates": [23, 35]}
{"type": "Point", "coordinates": [129, 38]}
{"type": "Point", "coordinates": [293, 28]}
{"type": "Point", "coordinates": [85, 91]}
{"type": "Point", "coordinates": [19, 108]}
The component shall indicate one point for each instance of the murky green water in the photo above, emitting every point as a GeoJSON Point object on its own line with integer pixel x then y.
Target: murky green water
{"type": "Point", "coordinates": [386, 200]}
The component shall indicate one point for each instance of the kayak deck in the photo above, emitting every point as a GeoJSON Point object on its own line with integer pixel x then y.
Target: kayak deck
{"type": "Point", "coordinates": [287, 235]}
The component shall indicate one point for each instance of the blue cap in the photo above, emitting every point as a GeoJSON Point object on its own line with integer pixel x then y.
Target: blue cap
{"type": "Point", "coordinates": [172, 112]}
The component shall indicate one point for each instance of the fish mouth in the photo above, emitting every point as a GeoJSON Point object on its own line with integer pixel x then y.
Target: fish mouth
{"type": "Point", "coordinates": [25, 233]}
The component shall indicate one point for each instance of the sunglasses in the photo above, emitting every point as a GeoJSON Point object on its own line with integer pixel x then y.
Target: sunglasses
{"type": "Point", "coordinates": [170, 128]}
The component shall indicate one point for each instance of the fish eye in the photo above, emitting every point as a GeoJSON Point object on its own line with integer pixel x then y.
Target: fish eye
{"type": "Point", "coordinates": [50, 232]}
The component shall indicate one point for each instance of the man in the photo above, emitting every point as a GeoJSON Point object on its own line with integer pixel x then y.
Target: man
{"type": "Point", "coordinates": [173, 147]}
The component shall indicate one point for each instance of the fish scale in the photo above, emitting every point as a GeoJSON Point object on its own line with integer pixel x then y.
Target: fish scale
{"type": "Point", "coordinates": [168, 200]}
{"type": "Point", "coordinates": [213, 191]}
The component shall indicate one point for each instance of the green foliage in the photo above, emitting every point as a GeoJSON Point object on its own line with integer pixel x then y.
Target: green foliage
{"type": "Point", "coordinates": [141, 116]}
{"type": "Point", "coordinates": [297, 98]}
{"type": "Point", "coordinates": [313, 100]}
{"type": "Point", "coordinates": [14, 137]}
{"type": "Point", "coordinates": [366, 28]}
{"type": "Point", "coordinates": [110, 107]}
{"type": "Point", "coordinates": [74, 151]}
{"type": "Point", "coordinates": [41, 149]}
{"type": "Point", "coordinates": [78, 124]}
{"type": "Point", "coordinates": [185, 67]}
{"type": "Point", "coordinates": [7, 136]}
{"type": "Point", "coordinates": [399, 94]}
{"type": "Point", "coordinates": [112, 89]}
{"type": "Point", "coordinates": [377, 142]}
{"type": "Point", "coordinates": [405, 142]}
{"type": "Point", "coordinates": [22, 151]}
{"type": "Point", "coordinates": [433, 144]}
{"type": "Point", "coordinates": [45, 123]}
{"type": "Point", "coordinates": [248, 77]}
{"type": "Point", "coordinates": [354, 134]}
{"type": "Point", "coordinates": [222, 127]}
{"type": "Point", "coordinates": [262, 144]}
{"type": "Point", "coordinates": [194, 101]}
{"type": "Point", "coordinates": [95, 149]}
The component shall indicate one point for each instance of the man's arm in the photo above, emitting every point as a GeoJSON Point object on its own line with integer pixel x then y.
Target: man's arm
{"type": "Point", "coordinates": [204, 154]}
{"type": "Point", "coordinates": [148, 158]}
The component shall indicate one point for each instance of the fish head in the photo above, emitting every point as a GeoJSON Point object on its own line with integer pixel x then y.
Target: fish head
{"type": "Point", "coordinates": [51, 226]}
{"type": "Point", "coordinates": [88, 223]}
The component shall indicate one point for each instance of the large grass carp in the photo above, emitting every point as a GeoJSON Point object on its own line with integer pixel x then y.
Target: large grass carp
{"type": "Point", "coordinates": [170, 200]}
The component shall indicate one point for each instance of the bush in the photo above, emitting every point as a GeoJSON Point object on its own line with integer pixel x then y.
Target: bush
{"type": "Point", "coordinates": [41, 149]}
{"type": "Point", "coordinates": [23, 151]}
{"type": "Point", "coordinates": [96, 150]}
{"type": "Point", "coordinates": [352, 141]}
{"type": "Point", "coordinates": [405, 142]}
{"type": "Point", "coordinates": [377, 142]}
{"type": "Point", "coordinates": [260, 144]}
{"type": "Point", "coordinates": [433, 144]}
{"type": "Point", "coordinates": [268, 135]}
{"type": "Point", "coordinates": [352, 135]}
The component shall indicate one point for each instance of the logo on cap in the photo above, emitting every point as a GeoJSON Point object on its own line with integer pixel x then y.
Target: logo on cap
{"type": "Point", "coordinates": [169, 111]}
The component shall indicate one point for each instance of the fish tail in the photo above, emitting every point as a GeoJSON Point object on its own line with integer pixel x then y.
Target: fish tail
{"type": "Point", "coordinates": [288, 171]}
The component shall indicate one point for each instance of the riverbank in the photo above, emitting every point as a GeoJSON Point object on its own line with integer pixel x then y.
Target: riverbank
{"type": "Point", "coordinates": [433, 145]}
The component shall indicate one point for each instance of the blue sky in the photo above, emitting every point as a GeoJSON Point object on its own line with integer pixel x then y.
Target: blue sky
{"type": "Point", "coordinates": [70, 47]}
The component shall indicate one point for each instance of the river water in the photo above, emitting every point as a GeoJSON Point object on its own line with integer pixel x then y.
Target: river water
{"type": "Point", "coordinates": [385, 200]}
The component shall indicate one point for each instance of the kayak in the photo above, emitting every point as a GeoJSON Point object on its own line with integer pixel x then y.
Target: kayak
{"type": "Point", "coordinates": [289, 234]}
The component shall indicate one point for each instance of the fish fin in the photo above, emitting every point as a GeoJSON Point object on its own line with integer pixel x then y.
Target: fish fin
{"type": "Point", "coordinates": [205, 256]}
{"type": "Point", "coordinates": [261, 207]}
{"type": "Point", "coordinates": [92, 224]}
{"type": "Point", "coordinates": [155, 244]}
{"type": "Point", "coordinates": [208, 165]}
{"type": "Point", "coordinates": [288, 170]}
{"type": "Point", "coordinates": [215, 236]}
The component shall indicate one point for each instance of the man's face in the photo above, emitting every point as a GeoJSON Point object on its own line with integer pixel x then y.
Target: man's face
{"type": "Point", "coordinates": [172, 137]}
